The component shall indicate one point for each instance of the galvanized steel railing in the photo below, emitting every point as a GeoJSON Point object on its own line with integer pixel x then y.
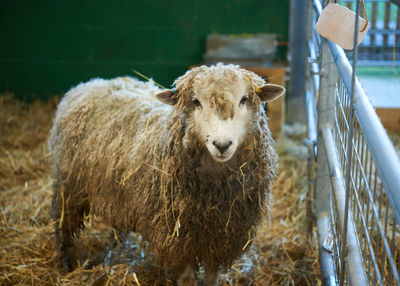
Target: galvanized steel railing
{"type": "Point", "coordinates": [357, 179]}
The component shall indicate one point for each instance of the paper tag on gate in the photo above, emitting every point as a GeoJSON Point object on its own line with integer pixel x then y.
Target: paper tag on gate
{"type": "Point", "coordinates": [336, 23]}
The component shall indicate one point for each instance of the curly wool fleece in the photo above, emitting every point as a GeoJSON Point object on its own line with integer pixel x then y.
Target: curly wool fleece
{"type": "Point", "coordinates": [143, 166]}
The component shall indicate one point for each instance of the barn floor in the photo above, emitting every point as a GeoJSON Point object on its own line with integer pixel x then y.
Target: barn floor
{"type": "Point", "coordinates": [280, 255]}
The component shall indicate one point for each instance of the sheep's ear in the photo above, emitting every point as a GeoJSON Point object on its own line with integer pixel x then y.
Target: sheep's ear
{"type": "Point", "coordinates": [270, 92]}
{"type": "Point", "coordinates": [167, 97]}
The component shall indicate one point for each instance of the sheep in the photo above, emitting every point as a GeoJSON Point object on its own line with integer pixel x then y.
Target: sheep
{"type": "Point", "coordinates": [188, 168]}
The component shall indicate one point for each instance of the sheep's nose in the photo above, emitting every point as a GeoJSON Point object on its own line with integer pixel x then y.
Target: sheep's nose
{"type": "Point", "coordinates": [222, 147]}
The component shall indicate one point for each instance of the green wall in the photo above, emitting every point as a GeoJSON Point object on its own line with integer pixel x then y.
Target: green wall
{"type": "Point", "coordinates": [48, 46]}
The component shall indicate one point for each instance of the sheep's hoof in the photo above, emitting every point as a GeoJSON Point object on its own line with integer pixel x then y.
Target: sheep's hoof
{"type": "Point", "coordinates": [66, 264]}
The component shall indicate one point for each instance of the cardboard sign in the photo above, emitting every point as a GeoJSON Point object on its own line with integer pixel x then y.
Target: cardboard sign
{"type": "Point", "coordinates": [336, 23]}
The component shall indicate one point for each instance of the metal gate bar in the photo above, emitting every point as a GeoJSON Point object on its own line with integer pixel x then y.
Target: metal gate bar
{"type": "Point", "coordinates": [382, 150]}
{"type": "Point", "coordinates": [357, 274]}
{"type": "Point", "coordinates": [372, 253]}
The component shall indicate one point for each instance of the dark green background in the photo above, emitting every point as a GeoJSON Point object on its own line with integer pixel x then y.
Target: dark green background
{"type": "Point", "coordinates": [48, 46]}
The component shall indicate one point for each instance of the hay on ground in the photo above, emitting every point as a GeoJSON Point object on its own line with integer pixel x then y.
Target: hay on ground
{"type": "Point", "coordinates": [280, 254]}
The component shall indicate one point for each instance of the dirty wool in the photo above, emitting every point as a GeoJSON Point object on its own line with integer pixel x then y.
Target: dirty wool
{"type": "Point", "coordinates": [280, 254]}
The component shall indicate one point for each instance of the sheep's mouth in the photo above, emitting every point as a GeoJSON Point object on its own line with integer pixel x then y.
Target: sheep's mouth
{"type": "Point", "coordinates": [222, 158]}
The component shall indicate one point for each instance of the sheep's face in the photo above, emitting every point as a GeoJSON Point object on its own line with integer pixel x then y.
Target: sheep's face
{"type": "Point", "coordinates": [220, 117]}
{"type": "Point", "coordinates": [220, 110]}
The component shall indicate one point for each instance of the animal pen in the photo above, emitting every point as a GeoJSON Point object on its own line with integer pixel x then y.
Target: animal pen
{"type": "Point", "coordinates": [335, 218]}
{"type": "Point", "coordinates": [355, 187]}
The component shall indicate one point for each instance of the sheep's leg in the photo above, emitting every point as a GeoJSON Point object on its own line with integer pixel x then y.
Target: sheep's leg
{"type": "Point", "coordinates": [211, 278]}
{"type": "Point", "coordinates": [68, 214]}
{"type": "Point", "coordinates": [63, 245]}
{"type": "Point", "coordinates": [211, 274]}
{"type": "Point", "coordinates": [187, 278]}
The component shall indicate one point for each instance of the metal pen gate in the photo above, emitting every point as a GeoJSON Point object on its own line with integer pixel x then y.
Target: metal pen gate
{"type": "Point", "coordinates": [354, 172]}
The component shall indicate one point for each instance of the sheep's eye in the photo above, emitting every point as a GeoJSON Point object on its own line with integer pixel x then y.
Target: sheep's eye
{"type": "Point", "coordinates": [243, 100]}
{"type": "Point", "coordinates": [196, 102]}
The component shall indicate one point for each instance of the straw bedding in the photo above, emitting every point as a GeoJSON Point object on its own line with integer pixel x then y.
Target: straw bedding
{"type": "Point", "coordinates": [279, 255]}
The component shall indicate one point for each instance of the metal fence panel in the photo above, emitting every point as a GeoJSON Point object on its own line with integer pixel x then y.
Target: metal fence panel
{"type": "Point", "coordinates": [363, 236]}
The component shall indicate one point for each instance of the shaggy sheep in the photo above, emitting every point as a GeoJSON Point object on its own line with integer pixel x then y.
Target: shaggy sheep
{"type": "Point", "coordinates": [190, 172]}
